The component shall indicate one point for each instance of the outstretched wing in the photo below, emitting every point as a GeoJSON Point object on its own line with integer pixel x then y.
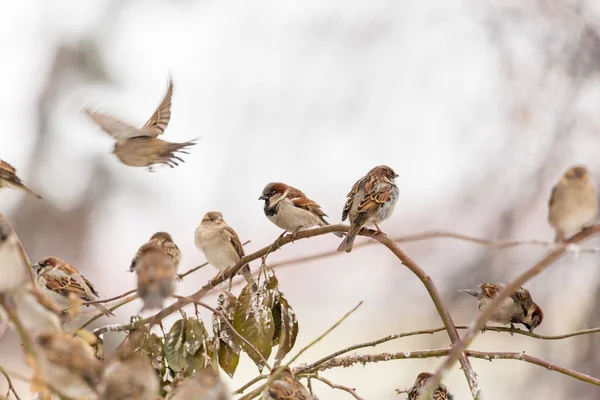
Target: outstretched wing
{"type": "Point", "coordinates": [113, 126]}
{"type": "Point", "coordinates": [157, 124]}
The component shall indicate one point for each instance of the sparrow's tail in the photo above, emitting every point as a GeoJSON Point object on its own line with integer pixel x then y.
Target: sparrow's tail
{"type": "Point", "coordinates": [20, 186]}
{"type": "Point", "coordinates": [338, 234]}
{"type": "Point", "coordinates": [104, 310]}
{"type": "Point", "coordinates": [474, 293]}
{"type": "Point", "coordinates": [168, 154]}
{"type": "Point", "coordinates": [245, 271]}
{"type": "Point", "coordinates": [560, 236]}
{"type": "Point", "coordinates": [348, 241]}
{"type": "Point", "coordinates": [153, 299]}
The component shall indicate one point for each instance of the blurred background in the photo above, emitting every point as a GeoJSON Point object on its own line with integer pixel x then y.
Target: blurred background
{"type": "Point", "coordinates": [479, 106]}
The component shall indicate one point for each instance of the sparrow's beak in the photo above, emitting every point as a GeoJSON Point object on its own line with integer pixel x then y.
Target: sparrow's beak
{"type": "Point", "coordinates": [396, 175]}
{"type": "Point", "coordinates": [263, 197]}
{"type": "Point", "coordinates": [36, 267]}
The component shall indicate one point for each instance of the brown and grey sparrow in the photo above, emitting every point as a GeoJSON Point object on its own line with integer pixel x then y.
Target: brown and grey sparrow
{"type": "Point", "coordinates": [141, 147]}
{"type": "Point", "coordinates": [165, 242]}
{"type": "Point", "coordinates": [286, 387]}
{"type": "Point", "coordinates": [573, 203]}
{"type": "Point", "coordinates": [156, 276]}
{"type": "Point", "coordinates": [220, 244]}
{"type": "Point", "coordinates": [14, 271]}
{"type": "Point", "coordinates": [62, 283]}
{"type": "Point", "coordinates": [9, 179]}
{"type": "Point", "coordinates": [441, 393]}
{"type": "Point", "coordinates": [370, 202]}
{"type": "Point", "coordinates": [205, 384]}
{"type": "Point", "coordinates": [518, 308]}
{"type": "Point", "coordinates": [290, 209]}
{"type": "Point", "coordinates": [131, 378]}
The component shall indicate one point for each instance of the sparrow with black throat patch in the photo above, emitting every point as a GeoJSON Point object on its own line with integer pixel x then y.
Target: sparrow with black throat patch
{"type": "Point", "coordinates": [518, 308]}
{"type": "Point", "coordinates": [165, 242]}
{"type": "Point", "coordinates": [440, 393]}
{"type": "Point", "coordinates": [573, 203]}
{"type": "Point", "coordinates": [370, 202]}
{"type": "Point", "coordinates": [141, 147]}
{"type": "Point", "coordinates": [9, 179]}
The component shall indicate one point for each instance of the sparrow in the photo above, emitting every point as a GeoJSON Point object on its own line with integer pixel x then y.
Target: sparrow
{"type": "Point", "coordinates": [131, 378]}
{"type": "Point", "coordinates": [37, 313]}
{"type": "Point", "coordinates": [165, 242]}
{"type": "Point", "coordinates": [141, 147]}
{"type": "Point", "coordinates": [9, 179]}
{"type": "Point", "coordinates": [156, 274]}
{"type": "Point", "coordinates": [14, 270]}
{"type": "Point", "coordinates": [62, 283]}
{"type": "Point", "coordinates": [290, 209]}
{"type": "Point", "coordinates": [67, 364]}
{"type": "Point", "coordinates": [573, 204]}
{"type": "Point", "coordinates": [286, 387]}
{"type": "Point", "coordinates": [220, 244]}
{"type": "Point", "coordinates": [205, 384]}
{"type": "Point", "coordinates": [441, 393]}
{"type": "Point", "coordinates": [519, 308]}
{"type": "Point", "coordinates": [370, 202]}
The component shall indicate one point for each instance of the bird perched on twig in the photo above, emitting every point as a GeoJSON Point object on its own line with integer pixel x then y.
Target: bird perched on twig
{"type": "Point", "coordinates": [290, 209]}
{"type": "Point", "coordinates": [63, 283]}
{"type": "Point", "coordinates": [14, 271]}
{"type": "Point", "coordinates": [129, 378]}
{"type": "Point", "coordinates": [9, 179]}
{"type": "Point", "coordinates": [156, 274]}
{"type": "Point", "coordinates": [440, 393]}
{"type": "Point", "coordinates": [286, 387]}
{"type": "Point", "coordinates": [141, 147]}
{"type": "Point", "coordinates": [165, 242]}
{"type": "Point", "coordinates": [573, 203]}
{"type": "Point", "coordinates": [370, 202]}
{"type": "Point", "coordinates": [518, 308]}
{"type": "Point", "coordinates": [205, 384]}
{"type": "Point", "coordinates": [220, 244]}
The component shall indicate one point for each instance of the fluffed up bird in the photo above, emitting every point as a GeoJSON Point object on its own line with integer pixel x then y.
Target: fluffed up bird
{"type": "Point", "coordinates": [573, 204]}
{"type": "Point", "coordinates": [290, 209]}
{"type": "Point", "coordinates": [63, 283]}
{"type": "Point", "coordinates": [518, 308]}
{"type": "Point", "coordinates": [286, 387]}
{"type": "Point", "coordinates": [205, 384]}
{"type": "Point", "coordinates": [14, 271]}
{"type": "Point", "coordinates": [370, 202]}
{"type": "Point", "coordinates": [141, 147]}
{"type": "Point", "coordinates": [9, 179]}
{"type": "Point", "coordinates": [130, 378]}
{"type": "Point", "coordinates": [440, 393]}
{"type": "Point", "coordinates": [156, 276]}
{"type": "Point", "coordinates": [220, 244]}
{"type": "Point", "coordinates": [165, 242]}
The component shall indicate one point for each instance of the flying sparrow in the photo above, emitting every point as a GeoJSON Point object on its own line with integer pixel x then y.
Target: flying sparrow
{"type": "Point", "coordinates": [131, 378]}
{"type": "Point", "coordinates": [519, 308]}
{"type": "Point", "coordinates": [290, 209]}
{"type": "Point", "coordinates": [14, 270]}
{"type": "Point", "coordinates": [441, 393]}
{"type": "Point", "coordinates": [220, 244]}
{"type": "Point", "coordinates": [62, 283]}
{"type": "Point", "coordinates": [371, 201]}
{"type": "Point", "coordinates": [286, 387]}
{"type": "Point", "coordinates": [205, 384]}
{"type": "Point", "coordinates": [141, 147]}
{"type": "Point", "coordinates": [165, 242]}
{"type": "Point", "coordinates": [573, 204]}
{"type": "Point", "coordinates": [9, 179]}
{"type": "Point", "coordinates": [156, 274]}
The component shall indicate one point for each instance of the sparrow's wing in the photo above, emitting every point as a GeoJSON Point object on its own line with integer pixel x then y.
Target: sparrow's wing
{"type": "Point", "coordinates": [7, 168]}
{"type": "Point", "coordinates": [308, 204]}
{"type": "Point", "coordinates": [235, 241]}
{"type": "Point", "coordinates": [64, 285]}
{"type": "Point", "coordinates": [90, 286]}
{"type": "Point", "coordinates": [113, 126]}
{"type": "Point", "coordinates": [490, 289]}
{"type": "Point", "coordinates": [350, 196]}
{"type": "Point", "coordinates": [172, 251]}
{"type": "Point", "coordinates": [377, 192]}
{"type": "Point", "coordinates": [521, 296]}
{"type": "Point", "coordinates": [552, 196]}
{"type": "Point", "coordinates": [441, 393]}
{"type": "Point", "coordinates": [157, 124]}
{"type": "Point", "coordinates": [8, 173]}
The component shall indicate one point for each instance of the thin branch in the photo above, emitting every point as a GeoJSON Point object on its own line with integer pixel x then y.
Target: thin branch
{"type": "Point", "coordinates": [113, 328]}
{"type": "Point", "coordinates": [127, 293]}
{"type": "Point", "coordinates": [48, 385]}
{"type": "Point", "coordinates": [336, 386]}
{"type": "Point", "coordinates": [11, 388]}
{"type": "Point", "coordinates": [113, 308]}
{"type": "Point", "coordinates": [252, 382]}
{"type": "Point", "coordinates": [471, 333]}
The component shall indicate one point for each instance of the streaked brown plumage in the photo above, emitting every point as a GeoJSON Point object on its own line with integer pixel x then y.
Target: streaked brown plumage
{"type": "Point", "coordinates": [286, 387]}
{"type": "Point", "coordinates": [441, 393]}
{"type": "Point", "coordinates": [573, 203]}
{"type": "Point", "coordinates": [130, 378]}
{"type": "Point", "coordinates": [518, 308]}
{"type": "Point", "coordinates": [9, 179]}
{"type": "Point", "coordinates": [205, 384]}
{"type": "Point", "coordinates": [370, 202]}
{"type": "Point", "coordinates": [156, 276]}
{"type": "Point", "coordinates": [141, 147]}
{"type": "Point", "coordinates": [165, 242]}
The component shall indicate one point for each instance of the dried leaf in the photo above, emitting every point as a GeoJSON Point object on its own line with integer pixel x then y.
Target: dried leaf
{"type": "Point", "coordinates": [174, 346]}
{"type": "Point", "coordinates": [289, 329]}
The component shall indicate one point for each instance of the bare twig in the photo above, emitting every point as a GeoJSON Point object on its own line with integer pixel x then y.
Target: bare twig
{"type": "Point", "coordinates": [113, 308]}
{"type": "Point", "coordinates": [336, 386]}
{"type": "Point", "coordinates": [127, 293]}
{"type": "Point", "coordinates": [11, 388]}
{"type": "Point", "coordinates": [252, 382]}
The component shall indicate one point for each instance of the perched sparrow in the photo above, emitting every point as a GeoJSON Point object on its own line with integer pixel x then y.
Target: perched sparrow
{"type": "Point", "coordinates": [573, 204]}
{"type": "Point", "coordinates": [132, 378]}
{"type": "Point", "coordinates": [14, 271]}
{"type": "Point", "coordinates": [441, 393]}
{"type": "Point", "coordinates": [371, 201]}
{"type": "Point", "coordinates": [286, 387]}
{"type": "Point", "coordinates": [37, 313]}
{"type": "Point", "coordinates": [165, 242]}
{"type": "Point", "coordinates": [156, 276]}
{"type": "Point", "coordinates": [141, 147]}
{"type": "Point", "coordinates": [519, 308]}
{"type": "Point", "coordinates": [67, 363]}
{"type": "Point", "coordinates": [204, 385]}
{"type": "Point", "coordinates": [62, 283]}
{"type": "Point", "coordinates": [220, 244]}
{"type": "Point", "coordinates": [290, 209]}
{"type": "Point", "coordinates": [9, 178]}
